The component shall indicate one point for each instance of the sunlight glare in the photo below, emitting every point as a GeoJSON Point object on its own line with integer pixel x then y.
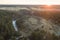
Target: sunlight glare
{"type": "Point", "coordinates": [48, 4]}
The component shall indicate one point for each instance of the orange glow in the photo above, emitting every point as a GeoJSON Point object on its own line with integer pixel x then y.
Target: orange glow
{"type": "Point", "coordinates": [48, 6]}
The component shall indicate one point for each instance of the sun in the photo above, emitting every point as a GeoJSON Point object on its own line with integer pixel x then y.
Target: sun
{"type": "Point", "coordinates": [48, 4]}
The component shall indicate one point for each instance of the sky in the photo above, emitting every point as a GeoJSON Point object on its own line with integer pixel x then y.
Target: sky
{"type": "Point", "coordinates": [30, 2]}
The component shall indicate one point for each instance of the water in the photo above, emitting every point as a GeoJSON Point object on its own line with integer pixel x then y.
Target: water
{"type": "Point", "coordinates": [14, 25]}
